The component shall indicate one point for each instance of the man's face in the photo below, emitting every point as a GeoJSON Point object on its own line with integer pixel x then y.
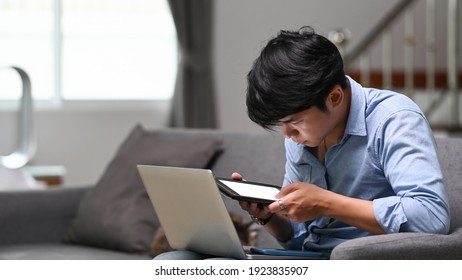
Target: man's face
{"type": "Point", "coordinates": [309, 127]}
{"type": "Point", "coordinates": [312, 126]}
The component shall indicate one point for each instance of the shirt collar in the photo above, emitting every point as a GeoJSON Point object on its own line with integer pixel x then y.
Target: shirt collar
{"type": "Point", "coordinates": [356, 124]}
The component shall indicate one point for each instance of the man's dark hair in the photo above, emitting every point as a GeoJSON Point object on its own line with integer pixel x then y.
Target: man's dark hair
{"type": "Point", "coordinates": [295, 71]}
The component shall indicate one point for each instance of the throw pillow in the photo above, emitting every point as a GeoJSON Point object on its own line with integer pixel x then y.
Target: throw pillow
{"type": "Point", "coordinates": [117, 213]}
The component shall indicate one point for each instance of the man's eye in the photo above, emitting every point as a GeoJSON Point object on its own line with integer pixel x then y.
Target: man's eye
{"type": "Point", "coordinates": [296, 121]}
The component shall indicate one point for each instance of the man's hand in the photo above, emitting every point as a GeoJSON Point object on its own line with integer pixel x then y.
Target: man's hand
{"type": "Point", "coordinates": [254, 209]}
{"type": "Point", "coordinates": [279, 226]}
{"type": "Point", "coordinates": [300, 202]}
{"type": "Point", "coordinates": [303, 202]}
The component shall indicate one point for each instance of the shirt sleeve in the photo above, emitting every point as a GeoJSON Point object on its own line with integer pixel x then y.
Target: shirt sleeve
{"type": "Point", "coordinates": [407, 153]}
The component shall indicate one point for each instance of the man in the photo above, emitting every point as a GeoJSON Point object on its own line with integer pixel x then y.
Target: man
{"type": "Point", "coordinates": [359, 161]}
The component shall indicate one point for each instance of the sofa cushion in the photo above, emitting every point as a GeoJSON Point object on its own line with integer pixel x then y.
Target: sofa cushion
{"type": "Point", "coordinates": [402, 246]}
{"type": "Point", "coordinates": [116, 213]}
{"type": "Point", "coordinates": [61, 251]}
{"type": "Point", "coordinates": [450, 156]}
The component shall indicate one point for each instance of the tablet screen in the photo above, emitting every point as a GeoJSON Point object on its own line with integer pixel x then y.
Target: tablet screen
{"type": "Point", "coordinates": [252, 190]}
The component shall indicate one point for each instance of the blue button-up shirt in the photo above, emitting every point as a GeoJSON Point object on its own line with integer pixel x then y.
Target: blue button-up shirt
{"type": "Point", "coordinates": [387, 155]}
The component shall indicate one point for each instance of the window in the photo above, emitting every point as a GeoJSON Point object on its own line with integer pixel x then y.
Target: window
{"type": "Point", "coordinates": [89, 49]}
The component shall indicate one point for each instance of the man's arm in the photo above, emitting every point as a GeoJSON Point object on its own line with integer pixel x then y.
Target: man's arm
{"type": "Point", "coordinates": [304, 202]}
{"type": "Point", "coordinates": [406, 151]}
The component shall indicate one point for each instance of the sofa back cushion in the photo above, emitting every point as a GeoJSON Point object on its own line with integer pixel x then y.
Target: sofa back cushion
{"type": "Point", "coordinates": [117, 213]}
{"type": "Point", "coordinates": [258, 157]}
{"type": "Point", "coordinates": [450, 156]}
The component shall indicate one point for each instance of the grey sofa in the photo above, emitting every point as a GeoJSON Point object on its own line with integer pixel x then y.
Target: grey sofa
{"type": "Point", "coordinates": [34, 224]}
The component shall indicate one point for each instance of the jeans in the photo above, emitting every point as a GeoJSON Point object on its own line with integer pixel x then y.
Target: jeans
{"type": "Point", "coordinates": [186, 255]}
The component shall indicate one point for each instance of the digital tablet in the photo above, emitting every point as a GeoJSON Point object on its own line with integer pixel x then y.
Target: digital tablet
{"type": "Point", "coordinates": [248, 191]}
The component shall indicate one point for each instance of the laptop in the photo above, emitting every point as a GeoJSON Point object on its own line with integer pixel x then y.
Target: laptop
{"type": "Point", "coordinates": [192, 213]}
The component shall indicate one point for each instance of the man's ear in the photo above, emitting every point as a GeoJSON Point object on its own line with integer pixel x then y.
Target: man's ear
{"type": "Point", "coordinates": [336, 96]}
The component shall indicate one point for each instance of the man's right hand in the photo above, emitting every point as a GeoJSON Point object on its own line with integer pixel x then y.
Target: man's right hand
{"type": "Point", "coordinates": [279, 226]}
{"type": "Point", "coordinates": [254, 209]}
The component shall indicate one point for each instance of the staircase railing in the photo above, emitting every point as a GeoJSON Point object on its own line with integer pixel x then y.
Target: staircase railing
{"type": "Point", "coordinates": [437, 85]}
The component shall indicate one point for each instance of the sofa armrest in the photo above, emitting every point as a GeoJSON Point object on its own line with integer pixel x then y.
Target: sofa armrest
{"type": "Point", "coordinates": [38, 215]}
{"type": "Point", "coordinates": [404, 246]}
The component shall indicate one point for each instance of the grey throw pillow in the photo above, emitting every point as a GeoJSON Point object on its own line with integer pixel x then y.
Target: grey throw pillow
{"type": "Point", "coordinates": [117, 213]}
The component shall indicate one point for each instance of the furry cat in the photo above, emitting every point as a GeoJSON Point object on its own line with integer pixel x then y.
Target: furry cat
{"type": "Point", "coordinates": [246, 231]}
